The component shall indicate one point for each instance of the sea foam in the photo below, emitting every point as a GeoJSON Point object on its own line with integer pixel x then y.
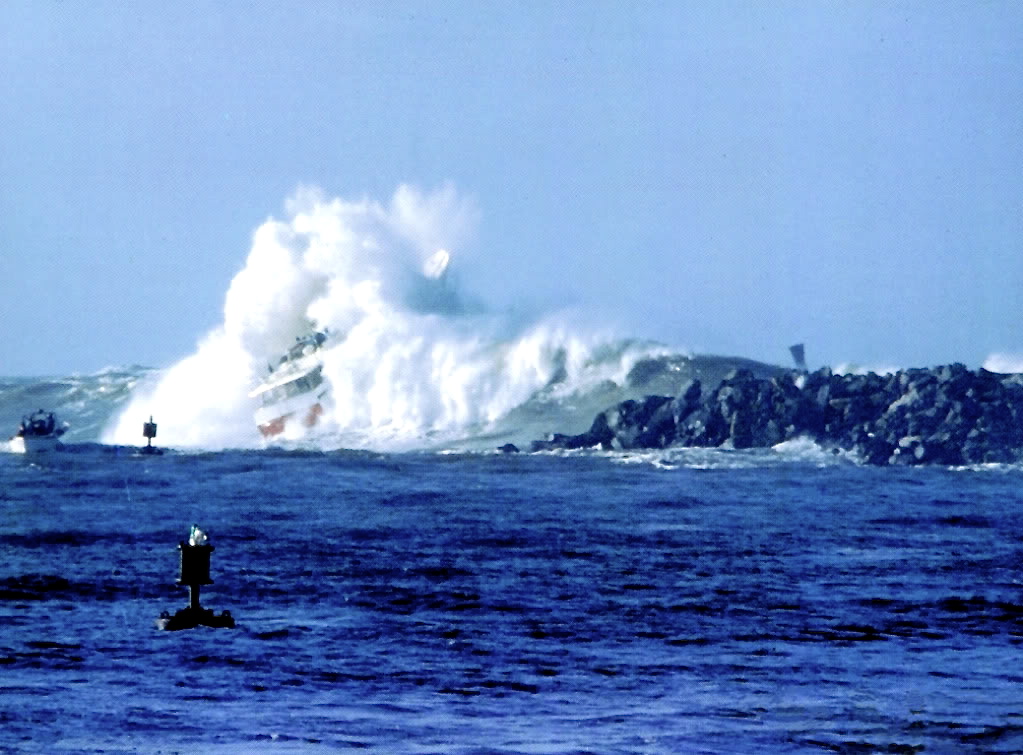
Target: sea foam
{"type": "Point", "coordinates": [410, 359]}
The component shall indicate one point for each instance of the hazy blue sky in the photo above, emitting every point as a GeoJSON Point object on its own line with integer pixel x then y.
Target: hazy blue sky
{"type": "Point", "coordinates": [727, 176]}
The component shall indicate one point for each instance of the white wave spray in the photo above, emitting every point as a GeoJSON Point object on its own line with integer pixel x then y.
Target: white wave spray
{"type": "Point", "coordinates": [1006, 363]}
{"type": "Point", "coordinates": [410, 362]}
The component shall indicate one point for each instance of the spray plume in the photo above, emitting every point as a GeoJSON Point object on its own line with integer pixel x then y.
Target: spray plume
{"type": "Point", "coordinates": [408, 362]}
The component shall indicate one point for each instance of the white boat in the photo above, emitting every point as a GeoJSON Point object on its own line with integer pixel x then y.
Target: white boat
{"type": "Point", "coordinates": [39, 432]}
{"type": "Point", "coordinates": [293, 392]}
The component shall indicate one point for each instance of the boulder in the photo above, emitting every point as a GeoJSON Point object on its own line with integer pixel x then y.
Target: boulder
{"type": "Point", "coordinates": [947, 415]}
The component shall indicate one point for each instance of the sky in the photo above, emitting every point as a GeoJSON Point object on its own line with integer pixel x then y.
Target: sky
{"type": "Point", "coordinates": [723, 177]}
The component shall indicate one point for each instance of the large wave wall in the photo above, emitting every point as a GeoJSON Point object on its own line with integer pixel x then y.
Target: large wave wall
{"type": "Point", "coordinates": [411, 361]}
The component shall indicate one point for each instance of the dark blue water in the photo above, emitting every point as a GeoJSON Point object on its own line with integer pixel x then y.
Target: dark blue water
{"type": "Point", "coordinates": [716, 602]}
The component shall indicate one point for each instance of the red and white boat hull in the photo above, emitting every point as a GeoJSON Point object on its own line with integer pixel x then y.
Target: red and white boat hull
{"type": "Point", "coordinates": [288, 424]}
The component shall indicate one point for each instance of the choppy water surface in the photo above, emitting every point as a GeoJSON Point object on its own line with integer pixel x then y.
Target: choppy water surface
{"type": "Point", "coordinates": [720, 602]}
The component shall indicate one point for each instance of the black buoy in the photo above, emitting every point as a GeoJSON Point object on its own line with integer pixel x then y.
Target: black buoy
{"type": "Point", "coordinates": [149, 432]}
{"type": "Point", "coordinates": [195, 572]}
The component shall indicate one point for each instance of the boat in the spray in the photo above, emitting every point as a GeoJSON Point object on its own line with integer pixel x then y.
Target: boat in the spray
{"type": "Point", "coordinates": [39, 432]}
{"type": "Point", "coordinates": [291, 396]}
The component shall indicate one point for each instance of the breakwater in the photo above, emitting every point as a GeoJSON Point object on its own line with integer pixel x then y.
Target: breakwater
{"type": "Point", "coordinates": [946, 415]}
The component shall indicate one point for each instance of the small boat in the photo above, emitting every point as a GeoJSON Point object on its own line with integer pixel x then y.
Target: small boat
{"type": "Point", "coordinates": [39, 432]}
{"type": "Point", "coordinates": [292, 394]}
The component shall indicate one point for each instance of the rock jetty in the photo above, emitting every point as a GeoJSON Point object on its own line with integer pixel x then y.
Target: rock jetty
{"type": "Point", "coordinates": [946, 415]}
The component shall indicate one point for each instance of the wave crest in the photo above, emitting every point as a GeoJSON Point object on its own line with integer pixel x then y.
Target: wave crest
{"type": "Point", "coordinates": [410, 361]}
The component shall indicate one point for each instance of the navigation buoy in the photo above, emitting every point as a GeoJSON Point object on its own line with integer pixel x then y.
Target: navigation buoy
{"type": "Point", "coordinates": [798, 356]}
{"type": "Point", "coordinates": [149, 432]}
{"type": "Point", "coordinates": [194, 573]}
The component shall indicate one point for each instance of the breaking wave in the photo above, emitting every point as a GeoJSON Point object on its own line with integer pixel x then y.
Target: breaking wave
{"type": "Point", "coordinates": [411, 361]}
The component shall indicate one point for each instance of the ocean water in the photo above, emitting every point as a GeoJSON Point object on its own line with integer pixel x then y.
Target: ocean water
{"type": "Point", "coordinates": [401, 587]}
{"type": "Point", "coordinates": [685, 601]}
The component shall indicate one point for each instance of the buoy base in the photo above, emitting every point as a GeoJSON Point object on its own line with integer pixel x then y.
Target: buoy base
{"type": "Point", "coordinates": [190, 618]}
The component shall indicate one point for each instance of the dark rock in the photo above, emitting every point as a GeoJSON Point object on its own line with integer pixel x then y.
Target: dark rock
{"type": "Point", "coordinates": [637, 424]}
{"type": "Point", "coordinates": [554, 441]}
{"type": "Point", "coordinates": [659, 431]}
{"type": "Point", "coordinates": [947, 415]}
{"type": "Point", "coordinates": [687, 401]}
